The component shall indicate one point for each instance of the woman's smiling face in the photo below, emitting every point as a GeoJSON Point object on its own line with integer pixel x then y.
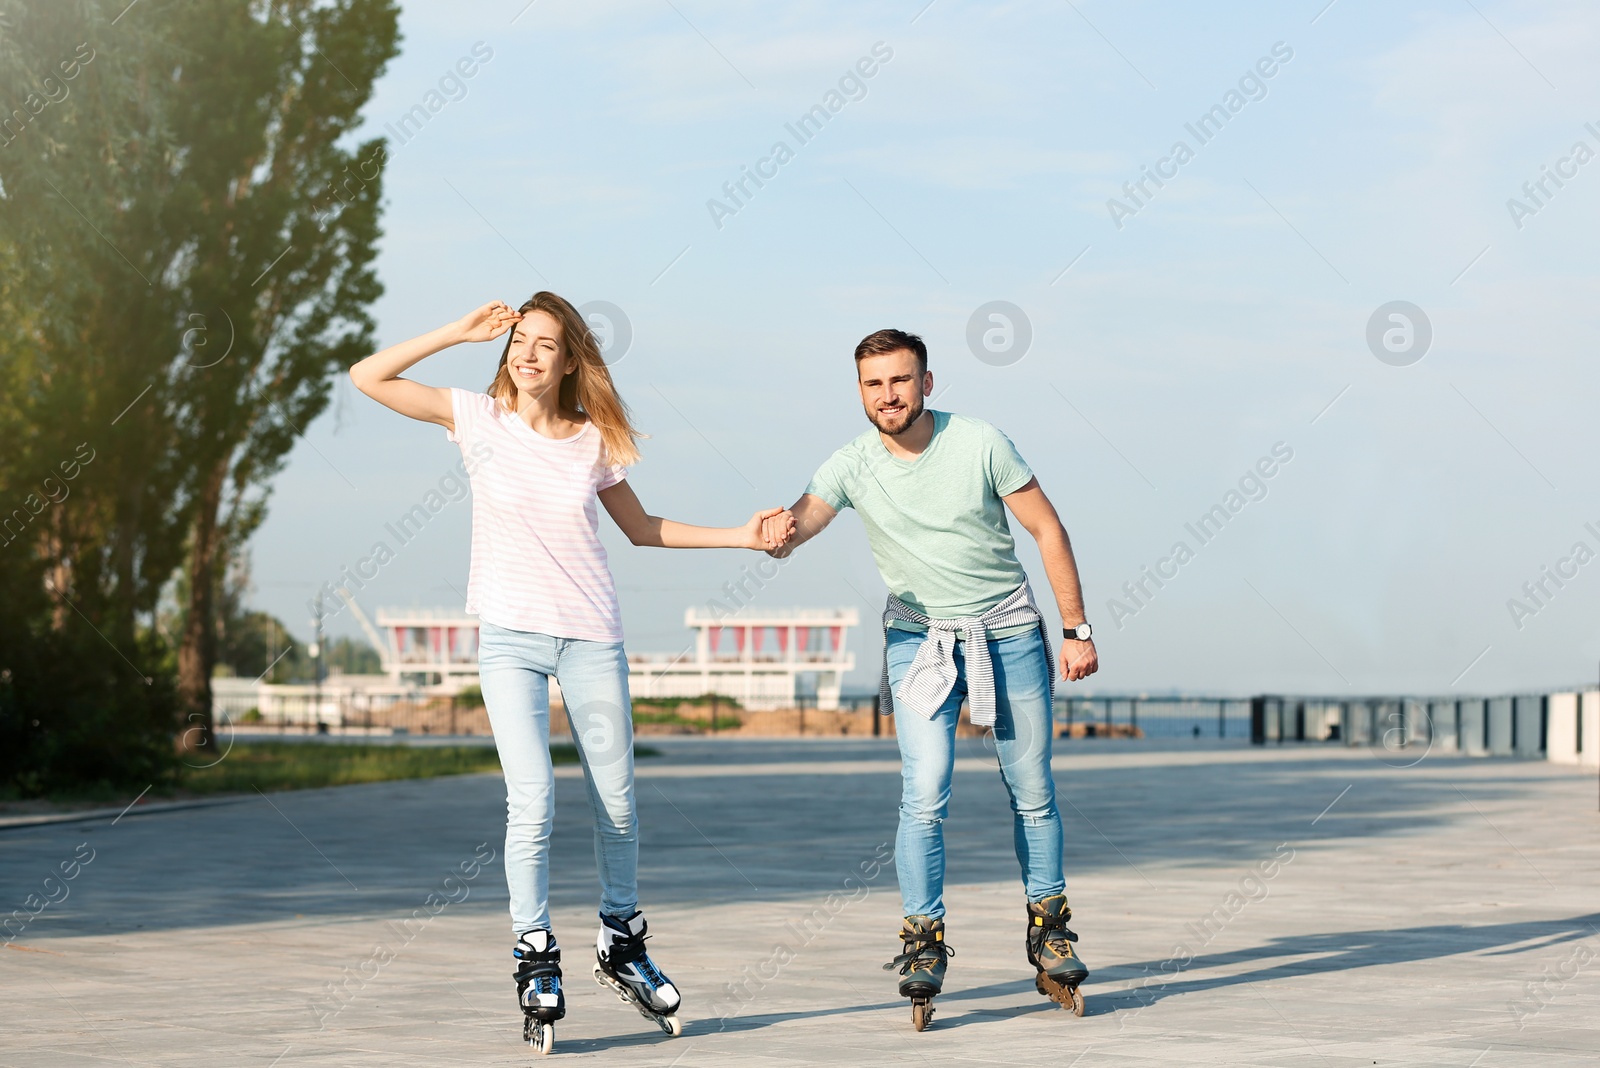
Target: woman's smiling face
{"type": "Point", "coordinates": [537, 358]}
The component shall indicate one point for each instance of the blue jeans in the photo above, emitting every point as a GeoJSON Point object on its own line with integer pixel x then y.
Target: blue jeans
{"type": "Point", "coordinates": [514, 670]}
{"type": "Point", "coordinates": [1021, 742]}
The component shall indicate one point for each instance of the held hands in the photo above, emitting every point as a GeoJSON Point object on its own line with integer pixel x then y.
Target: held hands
{"type": "Point", "coordinates": [1078, 660]}
{"type": "Point", "coordinates": [777, 530]}
{"type": "Point", "coordinates": [488, 322]}
{"type": "Point", "coordinates": [768, 529]}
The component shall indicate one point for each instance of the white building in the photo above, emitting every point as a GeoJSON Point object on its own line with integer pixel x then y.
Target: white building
{"type": "Point", "coordinates": [763, 660]}
{"type": "Point", "coordinates": [427, 647]}
{"type": "Point", "coordinates": [777, 659]}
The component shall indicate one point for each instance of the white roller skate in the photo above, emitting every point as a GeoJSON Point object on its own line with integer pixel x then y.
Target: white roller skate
{"type": "Point", "coordinates": [623, 966]}
{"type": "Point", "coordinates": [539, 993]}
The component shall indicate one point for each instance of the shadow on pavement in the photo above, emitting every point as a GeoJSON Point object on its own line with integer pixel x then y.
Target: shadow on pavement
{"type": "Point", "coordinates": [1358, 949]}
{"type": "Point", "coordinates": [1334, 952]}
{"type": "Point", "coordinates": [789, 834]}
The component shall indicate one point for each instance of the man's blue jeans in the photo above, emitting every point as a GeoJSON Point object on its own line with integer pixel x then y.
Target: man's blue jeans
{"type": "Point", "coordinates": [514, 670]}
{"type": "Point", "coordinates": [1022, 735]}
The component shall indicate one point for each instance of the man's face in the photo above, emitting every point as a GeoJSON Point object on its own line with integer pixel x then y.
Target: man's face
{"type": "Point", "coordinates": [892, 388]}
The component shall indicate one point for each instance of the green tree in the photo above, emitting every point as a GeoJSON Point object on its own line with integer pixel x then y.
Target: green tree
{"type": "Point", "coordinates": [79, 165]}
{"type": "Point", "coordinates": [95, 504]}
{"type": "Point", "coordinates": [351, 656]}
{"type": "Point", "coordinates": [291, 284]}
{"type": "Point", "coordinates": [171, 301]}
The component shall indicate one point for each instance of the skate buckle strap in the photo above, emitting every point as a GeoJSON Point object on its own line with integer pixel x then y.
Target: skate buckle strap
{"type": "Point", "coordinates": [626, 949]}
{"type": "Point", "coordinates": [543, 969]}
{"type": "Point", "coordinates": [1058, 924]}
{"type": "Point", "coordinates": [532, 964]}
{"type": "Point", "coordinates": [922, 951]}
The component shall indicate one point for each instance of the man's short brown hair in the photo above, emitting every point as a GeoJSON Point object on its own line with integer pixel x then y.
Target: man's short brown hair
{"type": "Point", "coordinates": [882, 342]}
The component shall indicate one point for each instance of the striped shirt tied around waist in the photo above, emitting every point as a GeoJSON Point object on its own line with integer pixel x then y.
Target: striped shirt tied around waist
{"type": "Point", "coordinates": [932, 673]}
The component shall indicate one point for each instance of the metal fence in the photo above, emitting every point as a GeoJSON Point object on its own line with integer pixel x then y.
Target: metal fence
{"type": "Point", "coordinates": [1155, 717]}
{"type": "Point", "coordinates": [335, 710]}
{"type": "Point", "coordinates": [1511, 725]}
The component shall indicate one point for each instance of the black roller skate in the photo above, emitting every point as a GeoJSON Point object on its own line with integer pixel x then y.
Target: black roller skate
{"type": "Point", "coordinates": [623, 966]}
{"type": "Point", "coordinates": [921, 965]}
{"type": "Point", "coordinates": [538, 978]}
{"type": "Point", "coordinates": [1050, 951]}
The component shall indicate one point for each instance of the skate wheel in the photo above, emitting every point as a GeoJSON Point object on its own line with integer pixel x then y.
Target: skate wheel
{"type": "Point", "coordinates": [616, 988]}
{"type": "Point", "coordinates": [670, 1025]}
{"type": "Point", "coordinates": [1060, 993]}
{"type": "Point", "coordinates": [541, 1036]}
{"type": "Point", "coordinates": [921, 1013]}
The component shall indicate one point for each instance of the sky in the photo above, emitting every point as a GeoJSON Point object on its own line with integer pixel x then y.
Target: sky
{"type": "Point", "coordinates": [1160, 347]}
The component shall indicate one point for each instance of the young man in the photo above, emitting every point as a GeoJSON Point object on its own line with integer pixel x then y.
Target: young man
{"type": "Point", "coordinates": [961, 624]}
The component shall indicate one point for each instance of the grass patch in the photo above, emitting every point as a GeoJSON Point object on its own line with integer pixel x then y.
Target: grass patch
{"type": "Point", "coordinates": [269, 766]}
{"type": "Point", "coordinates": [674, 719]}
{"type": "Point", "coordinates": [274, 766]}
{"type": "Point", "coordinates": [674, 702]}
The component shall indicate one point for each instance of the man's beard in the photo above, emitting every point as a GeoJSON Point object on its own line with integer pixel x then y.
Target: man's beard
{"type": "Point", "coordinates": [913, 412]}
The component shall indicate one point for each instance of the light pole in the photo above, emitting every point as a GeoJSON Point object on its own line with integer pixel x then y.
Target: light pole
{"type": "Point", "coordinates": [316, 665]}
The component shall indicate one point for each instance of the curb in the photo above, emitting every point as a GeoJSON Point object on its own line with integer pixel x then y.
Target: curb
{"type": "Point", "coordinates": [13, 823]}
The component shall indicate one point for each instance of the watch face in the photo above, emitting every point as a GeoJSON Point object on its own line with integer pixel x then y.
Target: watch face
{"type": "Point", "coordinates": [1083, 631]}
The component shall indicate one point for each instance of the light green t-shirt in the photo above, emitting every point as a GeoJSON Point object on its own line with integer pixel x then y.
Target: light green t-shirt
{"type": "Point", "coordinates": [936, 524]}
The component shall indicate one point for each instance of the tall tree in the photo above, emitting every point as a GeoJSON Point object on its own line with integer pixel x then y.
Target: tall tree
{"type": "Point", "coordinates": [171, 299]}
{"type": "Point", "coordinates": [278, 285]}
{"type": "Point", "coordinates": [79, 167]}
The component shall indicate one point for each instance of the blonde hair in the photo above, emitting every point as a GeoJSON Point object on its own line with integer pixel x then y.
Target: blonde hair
{"type": "Point", "coordinates": [587, 389]}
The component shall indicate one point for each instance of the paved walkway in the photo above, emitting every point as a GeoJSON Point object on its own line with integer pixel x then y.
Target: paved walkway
{"type": "Point", "coordinates": [1282, 907]}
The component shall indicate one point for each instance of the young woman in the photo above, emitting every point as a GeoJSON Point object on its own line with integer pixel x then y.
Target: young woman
{"type": "Point", "coordinates": [547, 441]}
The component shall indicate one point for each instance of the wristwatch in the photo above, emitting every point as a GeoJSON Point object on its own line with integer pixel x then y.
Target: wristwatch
{"type": "Point", "coordinates": [1081, 633]}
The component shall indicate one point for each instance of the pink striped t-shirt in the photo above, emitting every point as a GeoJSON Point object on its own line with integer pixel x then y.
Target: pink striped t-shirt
{"type": "Point", "coordinates": [537, 561]}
